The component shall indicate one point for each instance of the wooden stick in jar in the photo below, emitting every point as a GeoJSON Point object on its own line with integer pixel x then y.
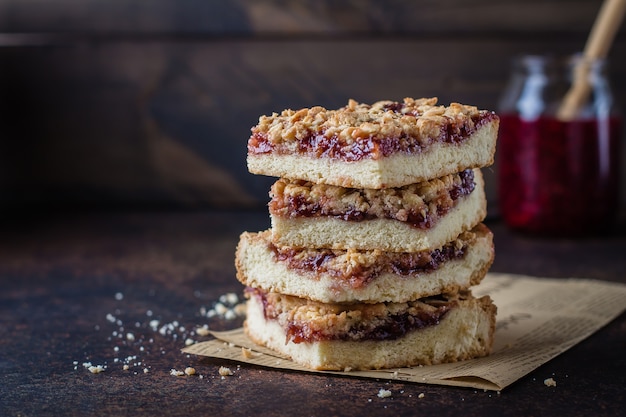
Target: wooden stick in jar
{"type": "Point", "coordinates": [598, 44]}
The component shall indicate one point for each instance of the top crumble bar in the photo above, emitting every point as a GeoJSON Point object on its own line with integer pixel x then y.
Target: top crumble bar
{"type": "Point", "coordinates": [362, 134]}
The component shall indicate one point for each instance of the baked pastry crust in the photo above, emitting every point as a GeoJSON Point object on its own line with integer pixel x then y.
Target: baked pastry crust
{"type": "Point", "coordinates": [373, 276]}
{"type": "Point", "coordinates": [386, 144]}
{"type": "Point", "coordinates": [368, 336]}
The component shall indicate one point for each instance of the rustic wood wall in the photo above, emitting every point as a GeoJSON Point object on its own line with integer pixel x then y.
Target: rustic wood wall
{"type": "Point", "coordinates": [120, 103]}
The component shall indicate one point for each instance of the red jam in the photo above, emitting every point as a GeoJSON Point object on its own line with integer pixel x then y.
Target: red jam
{"type": "Point", "coordinates": [558, 177]}
{"type": "Point", "coordinates": [358, 277]}
{"type": "Point", "coordinates": [394, 327]}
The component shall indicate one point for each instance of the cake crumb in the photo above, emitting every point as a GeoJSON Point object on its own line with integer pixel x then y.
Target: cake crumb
{"type": "Point", "coordinates": [421, 395]}
{"type": "Point", "coordinates": [224, 371]}
{"type": "Point", "coordinates": [190, 371]}
{"type": "Point", "coordinates": [383, 393]}
{"type": "Point", "coordinates": [247, 353]}
{"type": "Point", "coordinates": [174, 372]}
{"type": "Point", "coordinates": [125, 367]}
{"type": "Point", "coordinates": [203, 331]}
{"type": "Point", "coordinates": [240, 309]}
{"type": "Point", "coordinates": [550, 382]}
{"type": "Point", "coordinates": [96, 369]}
{"type": "Point", "coordinates": [230, 298]}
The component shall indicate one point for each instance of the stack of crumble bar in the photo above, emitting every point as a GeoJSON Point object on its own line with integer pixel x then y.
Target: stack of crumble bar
{"type": "Point", "coordinates": [376, 235]}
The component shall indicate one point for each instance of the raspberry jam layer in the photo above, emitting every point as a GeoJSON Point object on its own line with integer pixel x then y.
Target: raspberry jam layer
{"type": "Point", "coordinates": [379, 328]}
{"type": "Point", "coordinates": [422, 216]}
{"type": "Point", "coordinates": [319, 145]}
{"type": "Point", "coordinates": [394, 327]}
{"type": "Point", "coordinates": [358, 274]}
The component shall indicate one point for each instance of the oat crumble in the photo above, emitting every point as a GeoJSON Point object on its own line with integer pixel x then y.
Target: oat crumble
{"type": "Point", "coordinates": [419, 120]}
{"type": "Point", "coordinates": [415, 203]}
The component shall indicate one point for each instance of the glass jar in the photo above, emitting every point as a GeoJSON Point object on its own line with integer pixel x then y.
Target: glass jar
{"type": "Point", "coordinates": [558, 167]}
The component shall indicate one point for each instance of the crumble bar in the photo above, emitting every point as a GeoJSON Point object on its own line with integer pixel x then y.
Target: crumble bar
{"type": "Point", "coordinates": [386, 144]}
{"type": "Point", "coordinates": [372, 276]}
{"type": "Point", "coordinates": [372, 336]}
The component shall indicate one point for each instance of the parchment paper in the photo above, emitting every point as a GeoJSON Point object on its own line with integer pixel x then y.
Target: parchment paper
{"type": "Point", "coordinates": [538, 318]}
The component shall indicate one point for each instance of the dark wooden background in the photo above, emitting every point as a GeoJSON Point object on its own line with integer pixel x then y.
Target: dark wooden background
{"type": "Point", "coordinates": [118, 103]}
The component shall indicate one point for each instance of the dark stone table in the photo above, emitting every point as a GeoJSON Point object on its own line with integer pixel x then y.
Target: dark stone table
{"type": "Point", "coordinates": [115, 289]}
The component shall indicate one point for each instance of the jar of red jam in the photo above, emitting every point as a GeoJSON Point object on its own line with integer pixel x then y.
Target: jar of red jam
{"type": "Point", "coordinates": [558, 163]}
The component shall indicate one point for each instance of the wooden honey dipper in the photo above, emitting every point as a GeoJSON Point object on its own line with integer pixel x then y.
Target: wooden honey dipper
{"type": "Point", "coordinates": [598, 44]}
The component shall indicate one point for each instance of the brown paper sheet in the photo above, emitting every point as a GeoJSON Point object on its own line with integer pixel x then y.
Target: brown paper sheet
{"type": "Point", "coordinates": [538, 318]}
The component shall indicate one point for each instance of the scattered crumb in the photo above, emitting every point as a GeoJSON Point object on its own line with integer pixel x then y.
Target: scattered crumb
{"type": "Point", "coordinates": [126, 334]}
{"type": "Point", "coordinates": [94, 369]}
{"type": "Point", "coordinates": [550, 382]}
{"type": "Point", "coordinates": [383, 393]}
{"type": "Point", "coordinates": [220, 309]}
{"type": "Point", "coordinates": [203, 331]}
{"type": "Point", "coordinates": [240, 309]}
{"type": "Point", "coordinates": [230, 298]}
{"type": "Point", "coordinates": [421, 395]}
{"type": "Point", "coordinates": [228, 307]}
{"type": "Point", "coordinates": [347, 369]}
{"type": "Point", "coordinates": [247, 353]}
{"type": "Point", "coordinates": [224, 371]}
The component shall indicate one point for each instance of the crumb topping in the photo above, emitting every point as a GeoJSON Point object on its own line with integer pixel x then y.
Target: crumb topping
{"type": "Point", "coordinates": [360, 130]}
{"type": "Point", "coordinates": [419, 204]}
{"type": "Point", "coordinates": [307, 320]}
